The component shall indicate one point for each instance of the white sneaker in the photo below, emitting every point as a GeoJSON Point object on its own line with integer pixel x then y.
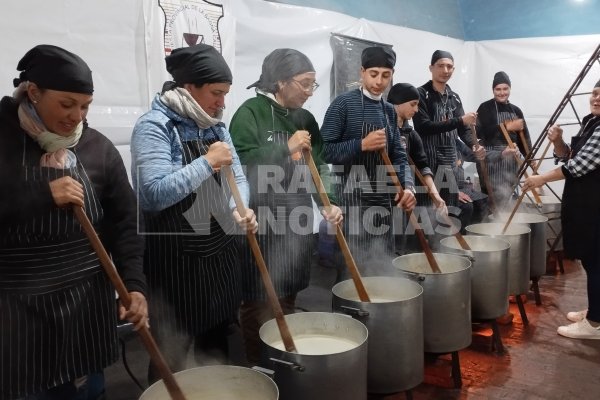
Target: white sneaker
{"type": "Point", "coordinates": [576, 316]}
{"type": "Point", "coordinates": [580, 330]}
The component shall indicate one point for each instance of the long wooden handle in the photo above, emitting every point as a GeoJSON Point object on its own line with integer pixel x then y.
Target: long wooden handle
{"type": "Point", "coordinates": [339, 234]}
{"type": "Point", "coordinates": [418, 230]}
{"type": "Point", "coordinates": [284, 330]}
{"type": "Point", "coordinates": [484, 171]}
{"type": "Point", "coordinates": [512, 214]}
{"type": "Point", "coordinates": [461, 240]}
{"type": "Point", "coordinates": [536, 196]}
{"type": "Point", "coordinates": [145, 335]}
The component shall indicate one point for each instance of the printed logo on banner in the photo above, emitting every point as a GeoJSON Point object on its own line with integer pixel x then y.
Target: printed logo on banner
{"type": "Point", "coordinates": [189, 22]}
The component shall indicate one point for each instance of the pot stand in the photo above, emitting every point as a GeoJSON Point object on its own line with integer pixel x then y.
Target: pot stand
{"type": "Point", "coordinates": [496, 338]}
{"type": "Point", "coordinates": [455, 373]}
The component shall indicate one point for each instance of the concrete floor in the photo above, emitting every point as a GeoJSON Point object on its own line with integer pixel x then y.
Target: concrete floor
{"type": "Point", "coordinates": [537, 363]}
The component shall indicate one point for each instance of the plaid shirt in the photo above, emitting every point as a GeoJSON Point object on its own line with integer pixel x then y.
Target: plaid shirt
{"type": "Point", "coordinates": [588, 158]}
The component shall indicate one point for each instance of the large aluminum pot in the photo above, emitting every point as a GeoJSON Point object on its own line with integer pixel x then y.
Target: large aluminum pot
{"type": "Point", "coordinates": [489, 273]}
{"type": "Point", "coordinates": [446, 299]}
{"type": "Point", "coordinates": [394, 318]}
{"type": "Point", "coordinates": [325, 376]}
{"type": "Point", "coordinates": [519, 256]}
{"type": "Point", "coordinates": [537, 224]}
{"type": "Point", "coordinates": [218, 382]}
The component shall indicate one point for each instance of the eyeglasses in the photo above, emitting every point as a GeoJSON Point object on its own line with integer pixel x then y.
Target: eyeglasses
{"type": "Point", "coordinates": [308, 86]}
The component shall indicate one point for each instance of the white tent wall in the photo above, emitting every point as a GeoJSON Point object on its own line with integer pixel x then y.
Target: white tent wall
{"type": "Point", "coordinates": [122, 41]}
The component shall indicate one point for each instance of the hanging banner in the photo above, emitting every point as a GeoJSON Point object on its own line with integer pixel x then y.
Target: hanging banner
{"type": "Point", "coordinates": [190, 22]}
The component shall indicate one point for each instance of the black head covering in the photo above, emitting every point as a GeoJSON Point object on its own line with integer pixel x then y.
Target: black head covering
{"type": "Point", "coordinates": [500, 77]}
{"type": "Point", "coordinates": [440, 54]}
{"type": "Point", "coordinates": [281, 65]}
{"type": "Point", "coordinates": [378, 57]}
{"type": "Point", "coordinates": [402, 92]}
{"type": "Point", "coordinates": [198, 64]}
{"type": "Point", "coordinates": [597, 84]}
{"type": "Point", "coordinates": [54, 68]}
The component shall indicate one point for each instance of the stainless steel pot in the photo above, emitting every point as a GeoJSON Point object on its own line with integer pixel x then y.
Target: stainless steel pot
{"type": "Point", "coordinates": [218, 382]}
{"type": "Point", "coordinates": [489, 273]}
{"type": "Point", "coordinates": [446, 299]}
{"type": "Point", "coordinates": [537, 224]}
{"type": "Point", "coordinates": [341, 375]}
{"type": "Point", "coordinates": [518, 235]}
{"type": "Point", "coordinates": [394, 318]}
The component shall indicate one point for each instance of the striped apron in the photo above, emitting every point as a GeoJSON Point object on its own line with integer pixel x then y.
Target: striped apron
{"type": "Point", "coordinates": [371, 213]}
{"type": "Point", "coordinates": [441, 151]}
{"type": "Point", "coordinates": [58, 313]}
{"type": "Point", "coordinates": [285, 221]}
{"type": "Point", "coordinates": [502, 172]}
{"type": "Point", "coordinates": [190, 259]}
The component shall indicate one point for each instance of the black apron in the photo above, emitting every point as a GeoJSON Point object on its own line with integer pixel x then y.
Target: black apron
{"type": "Point", "coordinates": [285, 231]}
{"type": "Point", "coordinates": [371, 217]}
{"type": "Point", "coordinates": [580, 208]}
{"type": "Point", "coordinates": [502, 172]}
{"type": "Point", "coordinates": [190, 259]}
{"type": "Point", "coordinates": [58, 313]}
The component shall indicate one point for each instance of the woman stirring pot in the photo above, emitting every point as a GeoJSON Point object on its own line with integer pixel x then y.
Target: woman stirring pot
{"type": "Point", "coordinates": [58, 315]}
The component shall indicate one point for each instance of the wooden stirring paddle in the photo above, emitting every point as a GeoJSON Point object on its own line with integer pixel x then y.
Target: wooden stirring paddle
{"type": "Point", "coordinates": [284, 330]}
{"type": "Point", "coordinates": [418, 230]}
{"type": "Point", "coordinates": [461, 240]}
{"type": "Point", "coordinates": [339, 234]}
{"type": "Point", "coordinates": [145, 335]}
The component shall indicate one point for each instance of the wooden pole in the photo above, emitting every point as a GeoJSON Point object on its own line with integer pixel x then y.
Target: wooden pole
{"type": "Point", "coordinates": [284, 330]}
{"type": "Point", "coordinates": [418, 230]}
{"type": "Point", "coordinates": [536, 196]}
{"type": "Point", "coordinates": [339, 234]}
{"type": "Point", "coordinates": [484, 172]}
{"type": "Point", "coordinates": [145, 335]}
{"type": "Point", "coordinates": [461, 240]}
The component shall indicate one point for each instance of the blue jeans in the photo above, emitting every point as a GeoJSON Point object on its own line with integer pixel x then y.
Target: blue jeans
{"type": "Point", "coordinates": [92, 389]}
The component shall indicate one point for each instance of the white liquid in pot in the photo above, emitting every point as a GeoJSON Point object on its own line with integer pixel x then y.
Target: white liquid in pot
{"type": "Point", "coordinates": [313, 344]}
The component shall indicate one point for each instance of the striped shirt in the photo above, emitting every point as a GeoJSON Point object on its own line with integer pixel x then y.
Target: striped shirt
{"type": "Point", "coordinates": [347, 121]}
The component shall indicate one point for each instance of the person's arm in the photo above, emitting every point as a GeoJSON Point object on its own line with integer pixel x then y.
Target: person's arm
{"type": "Point", "coordinates": [120, 225]}
{"type": "Point", "coordinates": [338, 149]}
{"type": "Point", "coordinates": [417, 153]}
{"type": "Point", "coordinates": [397, 153]}
{"type": "Point", "coordinates": [487, 127]}
{"type": "Point", "coordinates": [423, 119]}
{"type": "Point", "coordinates": [464, 132]}
{"type": "Point", "coordinates": [586, 160]}
{"type": "Point", "coordinates": [236, 168]}
{"type": "Point", "coordinates": [160, 179]}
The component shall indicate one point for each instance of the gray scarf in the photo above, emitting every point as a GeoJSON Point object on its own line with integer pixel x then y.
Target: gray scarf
{"type": "Point", "coordinates": [182, 102]}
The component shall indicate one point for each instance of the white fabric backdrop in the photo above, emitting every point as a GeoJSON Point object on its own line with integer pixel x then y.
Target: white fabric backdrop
{"type": "Point", "coordinates": [122, 41]}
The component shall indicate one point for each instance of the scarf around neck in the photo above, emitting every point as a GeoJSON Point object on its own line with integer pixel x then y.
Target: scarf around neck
{"type": "Point", "coordinates": [182, 102]}
{"type": "Point", "coordinates": [56, 146]}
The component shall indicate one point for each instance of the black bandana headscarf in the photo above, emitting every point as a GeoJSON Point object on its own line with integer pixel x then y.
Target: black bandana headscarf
{"type": "Point", "coordinates": [281, 65]}
{"type": "Point", "coordinates": [54, 68]}
{"type": "Point", "coordinates": [402, 93]}
{"type": "Point", "coordinates": [378, 57]}
{"type": "Point", "coordinates": [500, 77]}
{"type": "Point", "coordinates": [198, 64]}
{"type": "Point", "coordinates": [438, 54]}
